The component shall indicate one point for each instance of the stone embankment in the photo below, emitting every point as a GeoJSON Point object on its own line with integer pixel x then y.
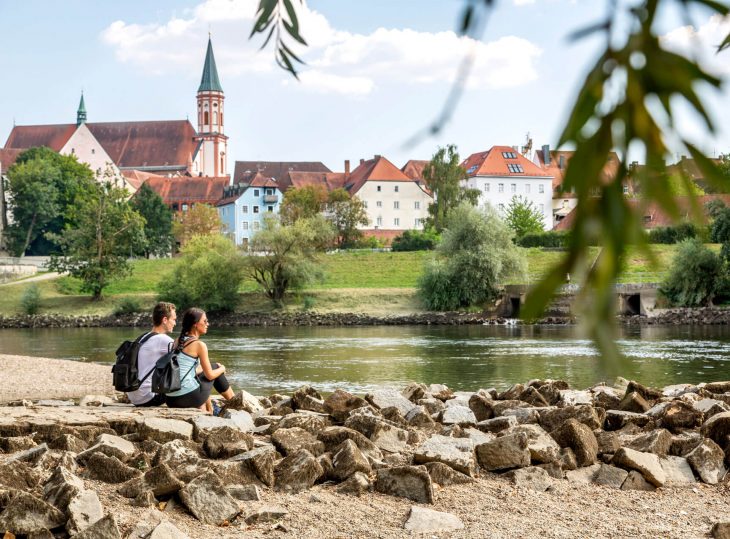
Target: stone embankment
{"type": "Point", "coordinates": [102, 469]}
{"type": "Point", "coordinates": [706, 316]}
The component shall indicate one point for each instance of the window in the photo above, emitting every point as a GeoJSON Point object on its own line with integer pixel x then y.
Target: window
{"type": "Point", "coordinates": [396, 221]}
{"type": "Point", "coordinates": [256, 192]}
{"type": "Point", "coordinates": [527, 188]}
{"type": "Point", "coordinates": [365, 204]}
{"type": "Point", "coordinates": [509, 155]}
{"type": "Point", "coordinates": [379, 221]}
{"type": "Point", "coordinates": [542, 208]}
{"type": "Point", "coordinates": [500, 188]}
{"type": "Point", "coordinates": [396, 188]}
{"type": "Point", "coordinates": [184, 207]}
{"type": "Point", "coordinates": [255, 209]}
{"type": "Point", "coordinates": [205, 117]}
{"type": "Point", "coordinates": [269, 191]}
{"type": "Point", "coordinates": [418, 222]}
{"type": "Point", "coordinates": [471, 169]}
{"type": "Point", "coordinates": [93, 151]}
{"type": "Point", "coordinates": [501, 208]}
{"type": "Point", "coordinates": [513, 188]}
{"type": "Point", "coordinates": [626, 189]}
{"type": "Point", "coordinates": [379, 204]}
{"type": "Point", "coordinates": [486, 187]}
{"type": "Point", "coordinates": [215, 117]}
{"type": "Point", "coordinates": [270, 209]}
{"type": "Point", "coordinates": [514, 167]}
{"type": "Point", "coordinates": [417, 205]}
{"type": "Point", "coordinates": [396, 205]}
{"type": "Point", "coordinates": [245, 209]}
{"type": "Point", "coordinates": [256, 225]}
{"type": "Point", "coordinates": [245, 225]}
{"type": "Point", "coordinates": [378, 188]}
{"type": "Point", "coordinates": [541, 188]}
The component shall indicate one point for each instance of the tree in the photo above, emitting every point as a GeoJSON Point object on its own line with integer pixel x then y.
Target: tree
{"type": "Point", "coordinates": [106, 231]}
{"type": "Point", "coordinates": [474, 257]}
{"type": "Point", "coordinates": [346, 213]}
{"type": "Point", "coordinates": [32, 187]}
{"type": "Point", "coordinates": [207, 275]}
{"type": "Point", "coordinates": [158, 221]}
{"type": "Point", "coordinates": [523, 217]}
{"type": "Point", "coordinates": [714, 207]}
{"type": "Point", "coordinates": [694, 277]}
{"type": "Point", "coordinates": [286, 256]}
{"type": "Point", "coordinates": [302, 203]}
{"type": "Point", "coordinates": [443, 176]}
{"type": "Point", "coordinates": [200, 220]}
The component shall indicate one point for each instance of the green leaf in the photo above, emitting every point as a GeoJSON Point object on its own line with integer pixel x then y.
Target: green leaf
{"type": "Point", "coordinates": [722, 9]}
{"type": "Point", "coordinates": [602, 26]}
{"type": "Point", "coordinates": [725, 44]}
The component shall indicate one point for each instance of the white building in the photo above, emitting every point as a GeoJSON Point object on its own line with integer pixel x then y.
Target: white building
{"type": "Point", "coordinates": [502, 173]}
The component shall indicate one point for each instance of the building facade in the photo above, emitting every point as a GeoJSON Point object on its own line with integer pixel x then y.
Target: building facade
{"type": "Point", "coordinates": [245, 205]}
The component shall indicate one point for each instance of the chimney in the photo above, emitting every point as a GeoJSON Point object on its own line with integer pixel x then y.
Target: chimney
{"type": "Point", "coordinates": [362, 161]}
{"type": "Point", "coordinates": [561, 163]}
{"type": "Point", "coordinates": [376, 156]}
{"type": "Point", "coordinates": [546, 154]}
{"type": "Point", "coordinates": [347, 168]}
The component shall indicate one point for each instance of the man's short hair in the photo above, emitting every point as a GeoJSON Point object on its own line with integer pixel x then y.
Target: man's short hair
{"type": "Point", "coordinates": [162, 310]}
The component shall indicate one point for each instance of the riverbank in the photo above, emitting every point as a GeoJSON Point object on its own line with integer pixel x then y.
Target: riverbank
{"type": "Point", "coordinates": [534, 460]}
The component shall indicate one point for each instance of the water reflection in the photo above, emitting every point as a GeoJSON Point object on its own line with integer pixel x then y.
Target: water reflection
{"type": "Point", "coordinates": [466, 357]}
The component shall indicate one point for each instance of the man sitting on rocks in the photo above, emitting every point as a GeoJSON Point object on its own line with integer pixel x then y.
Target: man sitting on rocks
{"type": "Point", "coordinates": [164, 318]}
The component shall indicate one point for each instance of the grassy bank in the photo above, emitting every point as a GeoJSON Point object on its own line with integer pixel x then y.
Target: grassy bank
{"type": "Point", "coordinates": [359, 281]}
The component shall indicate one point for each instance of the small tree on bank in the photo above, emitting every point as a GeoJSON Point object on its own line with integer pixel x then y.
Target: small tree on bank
{"type": "Point", "coordinates": [302, 203]}
{"type": "Point", "coordinates": [346, 213]}
{"type": "Point", "coordinates": [695, 277]}
{"type": "Point", "coordinates": [523, 217]}
{"type": "Point", "coordinates": [286, 256]}
{"type": "Point", "coordinates": [474, 257]}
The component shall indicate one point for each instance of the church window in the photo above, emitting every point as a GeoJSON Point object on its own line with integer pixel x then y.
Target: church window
{"type": "Point", "coordinates": [221, 118]}
{"type": "Point", "coordinates": [215, 105]}
{"type": "Point", "coordinates": [221, 165]}
{"type": "Point", "coordinates": [205, 117]}
{"type": "Point", "coordinates": [215, 117]}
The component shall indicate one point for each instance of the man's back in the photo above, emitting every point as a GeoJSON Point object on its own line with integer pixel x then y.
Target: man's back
{"type": "Point", "coordinates": [150, 351]}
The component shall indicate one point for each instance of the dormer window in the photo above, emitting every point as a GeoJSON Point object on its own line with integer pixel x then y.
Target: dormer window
{"type": "Point", "coordinates": [514, 167]}
{"type": "Point", "coordinates": [509, 155]}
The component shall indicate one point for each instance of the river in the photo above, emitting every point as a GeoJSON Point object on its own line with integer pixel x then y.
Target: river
{"type": "Point", "coordinates": [264, 360]}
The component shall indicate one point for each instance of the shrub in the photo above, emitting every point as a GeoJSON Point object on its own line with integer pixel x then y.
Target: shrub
{"type": "Point", "coordinates": [416, 240]}
{"type": "Point", "coordinates": [207, 275]}
{"type": "Point", "coordinates": [30, 301]}
{"type": "Point", "coordinates": [694, 277]}
{"type": "Point", "coordinates": [127, 305]}
{"type": "Point", "coordinates": [309, 303]}
{"type": "Point", "coordinates": [366, 242]}
{"type": "Point", "coordinates": [551, 238]}
{"type": "Point", "coordinates": [674, 234]}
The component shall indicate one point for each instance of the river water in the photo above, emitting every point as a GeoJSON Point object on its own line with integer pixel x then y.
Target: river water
{"type": "Point", "coordinates": [358, 359]}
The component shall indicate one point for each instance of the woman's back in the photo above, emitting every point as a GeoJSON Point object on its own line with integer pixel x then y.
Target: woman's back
{"type": "Point", "coordinates": [187, 363]}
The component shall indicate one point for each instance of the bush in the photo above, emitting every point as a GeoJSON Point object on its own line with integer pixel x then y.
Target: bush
{"type": "Point", "coordinates": [366, 242]}
{"type": "Point", "coordinates": [309, 303]}
{"type": "Point", "coordinates": [127, 305]}
{"type": "Point", "coordinates": [207, 275]}
{"type": "Point", "coordinates": [30, 301]}
{"type": "Point", "coordinates": [695, 276]}
{"type": "Point", "coordinates": [551, 238]}
{"type": "Point", "coordinates": [675, 234]}
{"type": "Point", "coordinates": [416, 240]}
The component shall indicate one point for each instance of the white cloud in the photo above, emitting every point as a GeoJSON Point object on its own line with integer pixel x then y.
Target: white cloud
{"type": "Point", "coordinates": [337, 61]}
{"type": "Point", "coordinates": [523, 2]}
{"type": "Point", "coordinates": [702, 43]}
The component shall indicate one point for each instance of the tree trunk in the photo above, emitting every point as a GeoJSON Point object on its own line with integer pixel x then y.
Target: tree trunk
{"type": "Point", "coordinates": [27, 236]}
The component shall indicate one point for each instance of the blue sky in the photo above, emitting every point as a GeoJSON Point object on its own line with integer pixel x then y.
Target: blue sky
{"type": "Point", "coordinates": [378, 72]}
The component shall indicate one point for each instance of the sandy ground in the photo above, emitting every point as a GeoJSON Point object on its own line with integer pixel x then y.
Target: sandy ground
{"type": "Point", "coordinates": [24, 377]}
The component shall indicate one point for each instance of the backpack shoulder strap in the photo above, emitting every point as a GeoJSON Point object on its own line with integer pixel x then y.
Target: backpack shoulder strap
{"type": "Point", "coordinates": [145, 337]}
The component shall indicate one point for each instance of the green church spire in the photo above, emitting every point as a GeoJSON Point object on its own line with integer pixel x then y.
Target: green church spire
{"type": "Point", "coordinates": [209, 82]}
{"type": "Point", "coordinates": [81, 113]}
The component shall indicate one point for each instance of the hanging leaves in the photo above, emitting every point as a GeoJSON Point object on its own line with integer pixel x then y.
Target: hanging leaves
{"type": "Point", "coordinates": [273, 16]}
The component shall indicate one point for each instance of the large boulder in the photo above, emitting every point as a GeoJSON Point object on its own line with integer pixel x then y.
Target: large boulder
{"type": "Point", "coordinates": [532, 478]}
{"type": "Point", "coordinates": [445, 475]}
{"type": "Point", "coordinates": [481, 406]}
{"type": "Point", "coordinates": [610, 476]}
{"type": "Point", "coordinates": [347, 459]}
{"type": "Point", "coordinates": [160, 480]}
{"type": "Point", "coordinates": [298, 471]}
{"type": "Point", "coordinates": [457, 453]}
{"type": "Point", "coordinates": [111, 446]}
{"type": "Point", "coordinates": [412, 482]}
{"type": "Point", "coordinates": [580, 438]}
{"type": "Point", "coordinates": [707, 460]}
{"type": "Point", "coordinates": [334, 436]}
{"type": "Point", "coordinates": [243, 400]}
{"type": "Point", "coordinates": [25, 514]}
{"type": "Point", "coordinates": [552, 418]}
{"type": "Point", "coordinates": [109, 469]}
{"type": "Point", "coordinates": [656, 441]}
{"type": "Point", "coordinates": [289, 441]}
{"type": "Point", "coordinates": [385, 398]}
{"type": "Point", "coordinates": [509, 451]}
{"type": "Point", "coordinates": [83, 510]}
{"type": "Point", "coordinates": [312, 423]}
{"type": "Point", "coordinates": [647, 464]}
{"type": "Point", "coordinates": [340, 403]}
{"type": "Point", "coordinates": [618, 419]}
{"type": "Point", "coordinates": [308, 398]}
{"type": "Point", "coordinates": [423, 520]}
{"type": "Point", "coordinates": [165, 430]}
{"type": "Point", "coordinates": [204, 425]}
{"type": "Point", "coordinates": [679, 415]}
{"type": "Point", "coordinates": [678, 472]}
{"type": "Point", "coordinates": [717, 427]}
{"type": "Point", "coordinates": [389, 438]}
{"type": "Point", "coordinates": [261, 461]}
{"type": "Point", "coordinates": [458, 415]}
{"type": "Point", "coordinates": [106, 528]}
{"type": "Point", "coordinates": [227, 442]}
{"type": "Point", "coordinates": [543, 448]}
{"type": "Point", "coordinates": [61, 487]}
{"type": "Point", "coordinates": [209, 501]}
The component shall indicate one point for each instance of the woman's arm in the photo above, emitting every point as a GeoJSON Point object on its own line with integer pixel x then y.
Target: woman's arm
{"type": "Point", "coordinates": [210, 373]}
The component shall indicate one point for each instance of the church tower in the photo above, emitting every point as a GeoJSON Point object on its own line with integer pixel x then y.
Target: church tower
{"type": "Point", "coordinates": [81, 112]}
{"type": "Point", "coordinates": [214, 150]}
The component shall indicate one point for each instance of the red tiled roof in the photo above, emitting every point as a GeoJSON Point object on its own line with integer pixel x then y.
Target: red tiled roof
{"type": "Point", "coordinates": [296, 180]}
{"type": "Point", "coordinates": [276, 169]}
{"type": "Point", "coordinates": [376, 169]}
{"type": "Point", "coordinates": [493, 163]}
{"type": "Point", "coordinates": [8, 156]}
{"type": "Point", "coordinates": [414, 169]}
{"type": "Point", "coordinates": [32, 136]}
{"type": "Point", "coordinates": [200, 190]}
{"type": "Point", "coordinates": [253, 179]}
{"type": "Point", "coordinates": [554, 169]}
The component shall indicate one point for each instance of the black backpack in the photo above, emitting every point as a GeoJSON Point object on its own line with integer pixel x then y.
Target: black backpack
{"type": "Point", "coordinates": [124, 372]}
{"type": "Point", "coordinates": [166, 373]}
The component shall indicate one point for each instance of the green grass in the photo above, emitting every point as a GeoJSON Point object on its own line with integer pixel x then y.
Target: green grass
{"type": "Point", "coordinates": [358, 281]}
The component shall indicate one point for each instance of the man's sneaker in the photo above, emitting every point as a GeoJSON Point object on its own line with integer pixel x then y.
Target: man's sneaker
{"type": "Point", "coordinates": [217, 408]}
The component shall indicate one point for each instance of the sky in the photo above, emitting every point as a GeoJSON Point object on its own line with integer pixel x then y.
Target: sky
{"type": "Point", "coordinates": [377, 72]}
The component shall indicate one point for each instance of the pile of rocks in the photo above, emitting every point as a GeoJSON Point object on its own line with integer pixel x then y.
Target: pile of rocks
{"type": "Point", "coordinates": [399, 443]}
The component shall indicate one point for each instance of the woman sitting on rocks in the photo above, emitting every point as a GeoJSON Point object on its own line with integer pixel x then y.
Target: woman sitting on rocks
{"type": "Point", "coordinates": [198, 375]}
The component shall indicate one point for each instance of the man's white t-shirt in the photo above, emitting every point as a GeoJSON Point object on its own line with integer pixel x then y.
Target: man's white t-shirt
{"type": "Point", "coordinates": [151, 350]}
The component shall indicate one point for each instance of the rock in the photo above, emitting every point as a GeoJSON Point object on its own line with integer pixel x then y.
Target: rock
{"type": "Point", "coordinates": [26, 514]}
{"type": "Point", "coordinates": [608, 442]}
{"type": "Point", "coordinates": [412, 482]}
{"type": "Point", "coordinates": [567, 459]}
{"type": "Point", "coordinates": [580, 438]}
{"type": "Point", "coordinates": [389, 438]}
{"type": "Point", "coordinates": [553, 418]}
{"type": "Point", "coordinates": [160, 480]}
{"type": "Point", "coordinates": [634, 402]}
{"type": "Point", "coordinates": [606, 397]}
{"type": "Point", "coordinates": [177, 452]}
{"type": "Point", "coordinates": [458, 415]}
{"type": "Point", "coordinates": [245, 493]}
{"type": "Point", "coordinates": [573, 397]}
{"type": "Point", "coordinates": [241, 418]}
{"type": "Point", "coordinates": [543, 448]}
{"type": "Point", "coordinates": [532, 478]}
{"type": "Point", "coordinates": [684, 443]}
{"type": "Point", "coordinates": [11, 444]}
{"type": "Point", "coordinates": [678, 472]}
{"type": "Point", "coordinates": [165, 430]}
{"type": "Point", "coordinates": [385, 398]}
{"type": "Point", "coordinates": [83, 510]}
{"type": "Point", "coordinates": [445, 475]}
{"type": "Point", "coordinates": [477, 436]}
{"type": "Point", "coordinates": [109, 469]}
{"type": "Point", "coordinates": [500, 407]}
{"type": "Point", "coordinates": [636, 481]}
{"type": "Point", "coordinates": [533, 397]}
{"type": "Point", "coordinates": [18, 475]}
{"type": "Point", "coordinates": [648, 393]}
{"type": "Point", "coordinates": [297, 472]}
{"type": "Point", "coordinates": [553, 469]}
{"type": "Point", "coordinates": [31, 456]}
{"type": "Point", "coordinates": [167, 530]}
{"type": "Point", "coordinates": [497, 424]}
{"type": "Point", "coordinates": [610, 476]}
{"type": "Point", "coordinates": [334, 436]}
{"type": "Point", "coordinates": [261, 462]}
{"type": "Point", "coordinates": [96, 400]}
{"type": "Point", "coordinates": [312, 423]}
{"type": "Point", "coordinates": [720, 530]}
{"type": "Point", "coordinates": [423, 520]}
{"type": "Point", "coordinates": [267, 513]}
{"type": "Point", "coordinates": [419, 417]}
{"type": "Point", "coordinates": [680, 415]}
{"type": "Point", "coordinates": [104, 528]}
{"type": "Point", "coordinates": [340, 403]}
{"type": "Point", "coordinates": [432, 406]}
{"type": "Point", "coordinates": [289, 441]}
{"type": "Point", "coordinates": [707, 460]}
{"type": "Point", "coordinates": [232, 472]}
{"type": "Point", "coordinates": [657, 441]}
{"type": "Point", "coordinates": [308, 398]}
{"type": "Point", "coordinates": [357, 484]}
{"type": "Point", "coordinates": [509, 451]}
{"type": "Point", "coordinates": [481, 406]}
{"type": "Point", "coordinates": [512, 393]}
{"type": "Point", "coordinates": [208, 500]}
{"type": "Point", "coordinates": [584, 476]}
{"type": "Point", "coordinates": [618, 419]}
{"type": "Point", "coordinates": [204, 425]}
{"type": "Point", "coordinates": [440, 392]}
{"type": "Point", "coordinates": [145, 499]}
{"type": "Point", "coordinates": [646, 463]}
{"type": "Point", "coordinates": [347, 460]}
{"type": "Point", "coordinates": [415, 391]}
{"type": "Point", "coordinates": [243, 400]}
{"type": "Point", "coordinates": [68, 442]}
{"type": "Point", "coordinates": [227, 442]}
{"type": "Point", "coordinates": [457, 453]}
{"type": "Point", "coordinates": [717, 427]}
{"type": "Point", "coordinates": [524, 416]}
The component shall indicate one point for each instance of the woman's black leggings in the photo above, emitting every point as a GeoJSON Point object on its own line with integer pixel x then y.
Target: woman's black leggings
{"type": "Point", "coordinates": [198, 397]}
